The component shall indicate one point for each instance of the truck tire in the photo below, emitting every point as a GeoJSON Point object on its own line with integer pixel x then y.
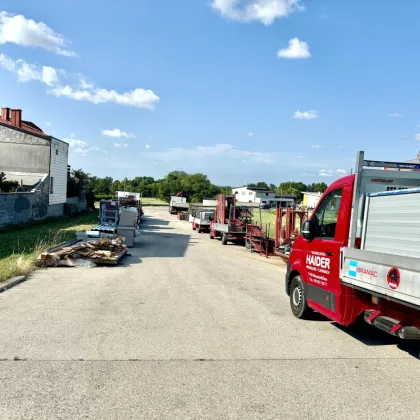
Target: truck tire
{"type": "Point", "coordinates": [298, 302]}
{"type": "Point", "coordinates": [224, 239]}
{"type": "Point", "coordinates": [199, 229]}
{"type": "Point", "coordinates": [211, 235]}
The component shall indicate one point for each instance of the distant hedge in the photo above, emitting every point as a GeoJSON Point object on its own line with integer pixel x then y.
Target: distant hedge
{"type": "Point", "coordinates": [104, 196]}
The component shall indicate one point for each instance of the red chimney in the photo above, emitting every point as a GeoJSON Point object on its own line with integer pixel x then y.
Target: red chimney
{"type": "Point", "coordinates": [5, 114]}
{"type": "Point", "coordinates": [17, 118]}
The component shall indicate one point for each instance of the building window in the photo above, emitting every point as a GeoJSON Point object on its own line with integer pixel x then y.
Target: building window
{"type": "Point", "coordinates": [236, 192]}
{"type": "Point", "coordinates": [266, 194]}
{"type": "Point", "coordinates": [243, 192]}
{"type": "Point", "coordinates": [250, 201]}
{"type": "Point", "coordinates": [52, 185]}
{"type": "Point", "coordinates": [250, 193]}
{"type": "Point", "coordinates": [56, 152]}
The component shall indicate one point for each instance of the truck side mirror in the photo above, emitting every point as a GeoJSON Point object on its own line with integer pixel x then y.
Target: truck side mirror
{"type": "Point", "coordinates": [308, 230]}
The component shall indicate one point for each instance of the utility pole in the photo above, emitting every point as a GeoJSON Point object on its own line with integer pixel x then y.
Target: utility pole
{"type": "Point", "coordinates": [125, 179]}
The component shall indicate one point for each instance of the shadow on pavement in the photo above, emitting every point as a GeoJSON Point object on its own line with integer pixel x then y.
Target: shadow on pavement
{"type": "Point", "coordinates": [371, 336]}
{"type": "Point", "coordinates": [157, 240]}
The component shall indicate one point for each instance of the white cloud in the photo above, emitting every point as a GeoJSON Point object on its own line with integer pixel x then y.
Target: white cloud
{"type": "Point", "coordinates": [326, 172]}
{"type": "Point", "coordinates": [17, 29]}
{"type": "Point", "coordinates": [82, 147]}
{"type": "Point", "coordinates": [394, 115]}
{"type": "Point", "coordinates": [29, 72]}
{"type": "Point", "coordinates": [217, 152]}
{"type": "Point", "coordinates": [341, 171]}
{"type": "Point", "coordinates": [72, 135]}
{"type": "Point", "coordinates": [296, 49]}
{"type": "Point", "coordinates": [251, 134]}
{"type": "Point", "coordinates": [147, 146]}
{"type": "Point", "coordinates": [117, 133]}
{"type": "Point", "coordinates": [264, 11]}
{"type": "Point", "coordinates": [417, 136]}
{"type": "Point", "coordinates": [120, 145]}
{"type": "Point", "coordinates": [48, 123]}
{"type": "Point", "coordinates": [306, 115]}
{"type": "Point", "coordinates": [139, 98]}
{"type": "Point", "coordinates": [316, 146]}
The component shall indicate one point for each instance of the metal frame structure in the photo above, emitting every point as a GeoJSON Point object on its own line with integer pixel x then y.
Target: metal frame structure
{"type": "Point", "coordinates": [257, 238]}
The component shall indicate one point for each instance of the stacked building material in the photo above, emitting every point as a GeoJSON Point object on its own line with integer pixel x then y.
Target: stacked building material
{"type": "Point", "coordinates": [105, 251]}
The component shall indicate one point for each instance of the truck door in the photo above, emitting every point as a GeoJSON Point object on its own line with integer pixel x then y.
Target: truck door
{"type": "Point", "coordinates": [322, 256]}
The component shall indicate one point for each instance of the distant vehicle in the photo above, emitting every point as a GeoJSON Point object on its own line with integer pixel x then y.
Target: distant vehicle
{"type": "Point", "coordinates": [359, 253]}
{"type": "Point", "coordinates": [178, 204]}
{"type": "Point", "coordinates": [201, 221]}
{"type": "Point", "coordinates": [266, 206]}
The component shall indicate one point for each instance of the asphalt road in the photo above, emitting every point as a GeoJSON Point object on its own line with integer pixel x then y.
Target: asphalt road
{"type": "Point", "coordinates": [189, 329]}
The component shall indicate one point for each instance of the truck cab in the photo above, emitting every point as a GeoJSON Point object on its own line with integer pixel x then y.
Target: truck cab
{"type": "Point", "coordinates": [317, 262]}
{"type": "Point", "coordinates": [350, 260]}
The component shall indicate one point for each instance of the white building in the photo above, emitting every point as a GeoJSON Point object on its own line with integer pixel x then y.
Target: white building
{"type": "Point", "coordinates": [310, 199]}
{"type": "Point", "coordinates": [32, 158]}
{"type": "Point", "coordinates": [262, 196]}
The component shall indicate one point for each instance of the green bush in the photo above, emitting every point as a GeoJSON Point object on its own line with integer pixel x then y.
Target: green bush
{"type": "Point", "coordinates": [104, 197]}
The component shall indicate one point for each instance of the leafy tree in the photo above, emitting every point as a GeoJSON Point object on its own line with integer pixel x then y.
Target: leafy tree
{"type": "Point", "coordinates": [7, 186]}
{"type": "Point", "coordinates": [273, 187]}
{"type": "Point", "coordinates": [317, 187]}
{"type": "Point", "coordinates": [262, 184]}
{"type": "Point", "coordinates": [290, 187]}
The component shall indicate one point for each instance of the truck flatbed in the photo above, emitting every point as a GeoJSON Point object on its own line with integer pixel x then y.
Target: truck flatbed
{"type": "Point", "coordinates": [393, 277]}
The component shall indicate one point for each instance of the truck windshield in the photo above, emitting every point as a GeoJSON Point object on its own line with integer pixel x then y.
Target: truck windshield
{"type": "Point", "coordinates": [326, 215]}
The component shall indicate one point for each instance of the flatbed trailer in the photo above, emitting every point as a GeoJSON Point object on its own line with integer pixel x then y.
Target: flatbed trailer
{"type": "Point", "coordinates": [178, 204]}
{"type": "Point", "coordinates": [230, 220]}
{"type": "Point", "coordinates": [359, 254]}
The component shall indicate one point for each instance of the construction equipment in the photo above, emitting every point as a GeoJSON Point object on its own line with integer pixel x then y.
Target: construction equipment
{"type": "Point", "coordinates": [258, 238]}
{"type": "Point", "coordinates": [229, 222]}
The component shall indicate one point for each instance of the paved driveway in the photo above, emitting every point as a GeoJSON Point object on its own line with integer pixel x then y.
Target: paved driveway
{"type": "Point", "coordinates": [189, 329]}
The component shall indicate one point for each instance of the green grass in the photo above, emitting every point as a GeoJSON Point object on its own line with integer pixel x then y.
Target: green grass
{"type": "Point", "coordinates": [269, 220]}
{"type": "Point", "coordinates": [19, 247]}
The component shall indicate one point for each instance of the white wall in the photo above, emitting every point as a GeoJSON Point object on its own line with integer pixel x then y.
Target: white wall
{"type": "Point", "coordinates": [244, 195]}
{"type": "Point", "coordinates": [58, 171]}
{"type": "Point", "coordinates": [313, 200]}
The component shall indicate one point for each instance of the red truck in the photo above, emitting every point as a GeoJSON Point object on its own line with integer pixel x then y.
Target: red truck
{"type": "Point", "coordinates": [359, 253]}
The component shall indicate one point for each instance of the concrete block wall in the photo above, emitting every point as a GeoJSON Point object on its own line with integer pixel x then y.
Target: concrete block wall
{"type": "Point", "coordinates": [55, 210]}
{"type": "Point", "coordinates": [19, 208]}
{"type": "Point", "coordinates": [81, 204]}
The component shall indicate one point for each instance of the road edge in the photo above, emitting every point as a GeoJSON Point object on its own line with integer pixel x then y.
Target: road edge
{"type": "Point", "coordinates": [14, 281]}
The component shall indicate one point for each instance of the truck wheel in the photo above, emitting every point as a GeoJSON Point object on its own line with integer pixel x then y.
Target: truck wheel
{"type": "Point", "coordinates": [224, 239]}
{"type": "Point", "coordinates": [211, 235]}
{"type": "Point", "coordinates": [298, 301]}
{"type": "Point", "coordinates": [199, 229]}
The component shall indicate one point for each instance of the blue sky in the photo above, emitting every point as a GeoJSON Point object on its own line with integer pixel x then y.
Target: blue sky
{"type": "Point", "coordinates": [242, 90]}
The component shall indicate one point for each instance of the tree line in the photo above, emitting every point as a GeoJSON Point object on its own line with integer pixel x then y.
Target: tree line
{"type": "Point", "coordinates": [193, 186]}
